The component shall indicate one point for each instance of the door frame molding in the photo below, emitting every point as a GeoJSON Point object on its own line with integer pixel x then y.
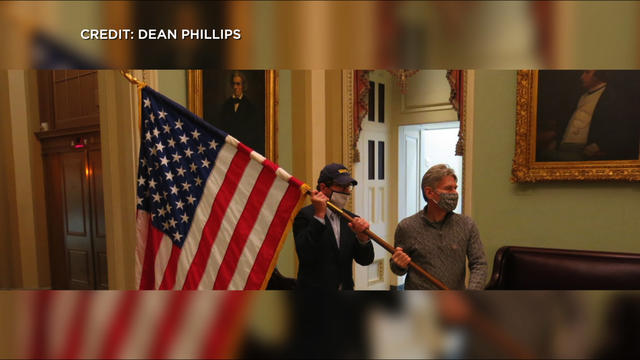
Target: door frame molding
{"type": "Point", "coordinates": [120, 138]}
{"type": "Point", "coordinates": [348, 150]}
{"type": "Point", "coordinates": [467, 159]}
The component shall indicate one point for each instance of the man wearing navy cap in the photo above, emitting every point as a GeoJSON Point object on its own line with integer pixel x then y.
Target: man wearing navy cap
{"type": "Point", "coordinates": [326, 243]}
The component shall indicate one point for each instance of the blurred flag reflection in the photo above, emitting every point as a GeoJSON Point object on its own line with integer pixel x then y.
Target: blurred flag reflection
{"type": "Point", "coordinates": [127, 324]}
{"type": "Point", "coordinates": [277, 324]}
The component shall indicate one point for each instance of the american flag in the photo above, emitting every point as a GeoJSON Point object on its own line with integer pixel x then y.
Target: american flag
{"type": "Point", "coordinates": [211, 213]}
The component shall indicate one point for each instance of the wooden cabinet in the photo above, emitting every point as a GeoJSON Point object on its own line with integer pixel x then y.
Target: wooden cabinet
{"type": "Point", "coordinates": [73, 179]}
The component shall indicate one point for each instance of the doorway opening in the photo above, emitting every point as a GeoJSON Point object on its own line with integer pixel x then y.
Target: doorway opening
{"type": "Point", "coordinates": [420, 147]}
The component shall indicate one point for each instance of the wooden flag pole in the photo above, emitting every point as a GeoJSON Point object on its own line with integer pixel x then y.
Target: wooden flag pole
{"type": "Point", "coordinates": [388, 247]}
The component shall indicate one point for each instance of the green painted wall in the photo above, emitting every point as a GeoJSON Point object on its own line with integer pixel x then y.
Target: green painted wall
{"type": "Point", "coordinates": [173, 84]}
{"type": "Point", "coordinates": [572, 215]}
{"type": "Point", "coordinates": [287, 264]}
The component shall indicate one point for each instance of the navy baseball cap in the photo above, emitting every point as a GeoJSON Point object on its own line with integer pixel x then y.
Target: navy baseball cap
{"type": "Point", "coordinates": [337, 174]}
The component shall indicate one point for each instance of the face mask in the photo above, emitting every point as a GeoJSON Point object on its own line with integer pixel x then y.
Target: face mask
{"type": "Point", "coordinates": [339, 199]}
{"type": "Point", "coordinates": [448, 201]}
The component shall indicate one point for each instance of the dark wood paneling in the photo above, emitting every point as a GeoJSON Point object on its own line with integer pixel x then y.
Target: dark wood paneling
{"type": "Point", "coordinates": [78, 237]}
{"type": "Point", "coordinates": [73, 178]}
{"type": "Point", "coordinates": [97, 197]}
{"type": "Point", "coordinates": [55, 221]}
{"type": "Point", "coordinates": [80, 270]}
{"type": "Point", "coordinates": [102, 278]}
{"type": "Point", "coordinates": [61, 75]}
{"type": "Point", "coordinates": [89, 102]}
{"type": "Point", "coordinates": [75, 98]}
{"type": "Point", "coordinates": [99, 227]}
{"type": "Point", "coordinates": [45, 97]}
{"type": "Point", "coordinates": [75, 212]}
{"type": "Point", "coordinates": [61, 104]}
{"type": "Point", "coordinates": [62, 140]}
{"type": "Point", "coordinates": [74, 187]}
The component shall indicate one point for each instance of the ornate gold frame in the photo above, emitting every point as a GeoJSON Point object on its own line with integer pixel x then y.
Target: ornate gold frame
{"type": "Point", "coordinates": [349, 143]}
{"type": "Point", "coordinates": [349, 147]}
{"type": "Point", "coordinates": [456, 80]}
{"type": "Point", "coordinates": [526, 169]}
{"type": "Point", "coordinates": [195, 84]}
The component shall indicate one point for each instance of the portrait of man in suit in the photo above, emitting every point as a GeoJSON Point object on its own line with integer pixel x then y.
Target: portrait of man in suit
{"type": "Point", "coordinates": [234, 101]}
{"type": "Point", "coordinates": [590, 119]}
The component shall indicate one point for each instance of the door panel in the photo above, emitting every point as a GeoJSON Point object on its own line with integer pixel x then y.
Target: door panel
{"type": "Point", "coordinates": [77, 218]}
{"type": "Point", "coordinates": [370, 196]}
{"type": "Point", "coordinates": [97, 209]}
{"type": "Point", "coordinates": [79, 274]}
{"type": "Point", "coordinates": [409, 165]}
{"type": "Point", "coordinates": [102, 278]}
{"type": "Point", "coordinates": [75, 199]}
{"type": "Point", "coordinates": [68, 102]}
{"type": "Point", "coordinates": [55, 221]}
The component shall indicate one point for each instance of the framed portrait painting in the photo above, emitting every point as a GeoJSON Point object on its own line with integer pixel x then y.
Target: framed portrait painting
{"type": "Point", "coordinates": [242, 103]}
{"type": "Point", "coordinates": [577, 125]}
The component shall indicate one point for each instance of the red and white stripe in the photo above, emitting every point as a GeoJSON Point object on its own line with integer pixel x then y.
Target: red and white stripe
{"type": "Point", "coordinates": [130, 324]}
{"type": "Point", "coordinates": [235, 233]}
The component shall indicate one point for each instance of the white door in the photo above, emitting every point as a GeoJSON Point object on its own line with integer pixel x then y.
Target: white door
{"type": "Point", "coordinates": [409, 197]}
{"type": "Point", "coordinates": [371, 196]}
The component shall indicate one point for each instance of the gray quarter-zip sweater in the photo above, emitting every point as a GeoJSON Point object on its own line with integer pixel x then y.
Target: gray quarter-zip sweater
{"type": "Point", "coordinates": [441, 249]}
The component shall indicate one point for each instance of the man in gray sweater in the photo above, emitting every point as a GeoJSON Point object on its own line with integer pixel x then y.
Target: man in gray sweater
{"type": "Point", "coordinates": [439, 240]}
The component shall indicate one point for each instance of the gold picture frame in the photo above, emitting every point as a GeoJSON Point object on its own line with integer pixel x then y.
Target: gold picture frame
{"type": "Point", "coordinates": [199, 90]}
{"type": "Point", "coordinates": [526, 168]}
